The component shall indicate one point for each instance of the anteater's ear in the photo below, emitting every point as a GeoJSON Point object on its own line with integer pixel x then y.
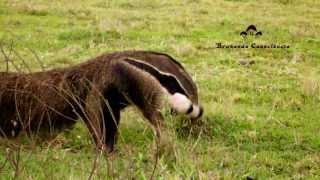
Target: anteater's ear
{"type": "Point", "coordinates": [169, 81]}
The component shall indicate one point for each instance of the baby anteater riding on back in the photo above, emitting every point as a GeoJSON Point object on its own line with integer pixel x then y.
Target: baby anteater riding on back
{"type": "Point", "coordinates": [96, 91]}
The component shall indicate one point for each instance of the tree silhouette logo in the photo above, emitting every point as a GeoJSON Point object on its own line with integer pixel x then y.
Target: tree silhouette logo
{"type": "Point", "coordinates": [251, 31]}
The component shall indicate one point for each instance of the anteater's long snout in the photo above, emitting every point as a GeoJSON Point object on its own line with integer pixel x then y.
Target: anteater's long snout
{"type": "Point", "coordinates": [183, 105]}
{"type": "Point", "coordinates": [197, 112]}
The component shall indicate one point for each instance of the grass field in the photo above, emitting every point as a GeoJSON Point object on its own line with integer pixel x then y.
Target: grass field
{"type": "Point", "coordinates": [261, 121]}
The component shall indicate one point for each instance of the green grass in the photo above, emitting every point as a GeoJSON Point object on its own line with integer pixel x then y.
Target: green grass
{"type": "Point", "coordinates": [261, 121]}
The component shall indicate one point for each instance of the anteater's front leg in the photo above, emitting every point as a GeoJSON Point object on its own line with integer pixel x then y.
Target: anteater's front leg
{"type": "Point", "coordinates": [111, 117]}
{"type": "Point", "coordinates": [94, 118]}
{"type": "Point", "coordinates": [156, 119]}
{"type": "Point", "coordinates": [102, 116]}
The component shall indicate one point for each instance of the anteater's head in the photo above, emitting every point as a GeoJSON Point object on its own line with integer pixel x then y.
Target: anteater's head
{"type": "Point", "coordinates": [182, 104]}
{"type": "Point", "coordinates": [182, 91]}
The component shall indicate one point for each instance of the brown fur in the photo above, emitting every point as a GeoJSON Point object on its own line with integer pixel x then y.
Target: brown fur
{"type": "Point", "coordinates": [96, 91]}
{"type": "Point", "coordinates": [164, 63]}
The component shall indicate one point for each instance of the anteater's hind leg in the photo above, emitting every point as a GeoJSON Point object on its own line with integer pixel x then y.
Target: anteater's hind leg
{"type": "Point", "coordinates": [10, 127]}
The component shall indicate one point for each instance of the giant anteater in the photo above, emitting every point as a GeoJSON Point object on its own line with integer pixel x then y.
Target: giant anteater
{"type": "Point", "coordinates": [96, 91]}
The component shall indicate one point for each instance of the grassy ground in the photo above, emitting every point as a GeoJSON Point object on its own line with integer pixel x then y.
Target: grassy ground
{"type": "Point", "coordinates": [261, 121]}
